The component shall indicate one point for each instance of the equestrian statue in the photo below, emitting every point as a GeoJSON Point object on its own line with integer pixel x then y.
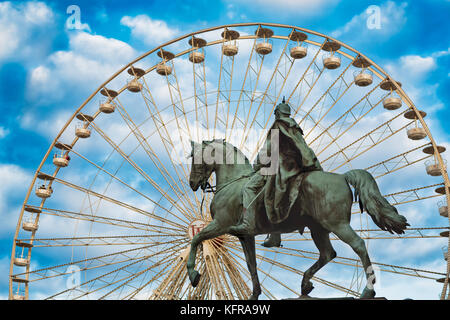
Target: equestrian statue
{"type": "Point", "coordinates": [284, 191]}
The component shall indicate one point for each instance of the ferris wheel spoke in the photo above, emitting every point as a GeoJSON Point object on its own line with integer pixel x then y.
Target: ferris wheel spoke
{"type": "Point", "coordinates": [126, 279]}
{"type": "Point", "coordinates": [228, 291]}
{"type": "Point", "coordinates": [322, 281]}
{"type": "Point", "coordinates": [320, 148]}
{"type": "Point", "coordinates": [100, 262]}
{"type": "Point", "coordinates": [154, 158]}
{"type": "Point", "coordinates": [132, 163]}
{"type": "Point", "coordinates": [177, 284]}
{"type": "Point", "coordinates": [353, 121]}
{"type": "Point", "coordinates": [169, 282]}
{"type": "Point", "coordinates": [271, 86]}
{"type": "Point", "coordinates": [248, 72]}
{"type": "Point", "coordinates": [221, 259]}
{"type": "Point", "coordinates": [93, 280]}
{"type": "Point", "coordinates": [166, 140]}
{"type": "Point", "coordinates": [100, 240]}
{"type": "Point", "coordinates": [407, 271]}
{"type": "Point", "coordinates": [306, 78]}
{"type": "Point", "coordinates": [200, 292]}
{"type": "Point", "coordinates": [175, 93]}
{"type": "Point", "coordinates": [364, 143]}
{"type": "Point", "coordinates": [153, 279]}
{"type": "Point", "coordinates": [104, 220]}
{"type": "Point", "coordinates": [396, 163]}
{"type": "Point", "coordinates": [222, 74]}
{"type": "Point", "coordinates": [142, 173]}
{"type": "Point", "coordinates": [412, 195]}
{"type": "Point", "coordinates": [410, 233]}
{"type": "Point", "coordinates": [215, 266]}
{"type": "Point", "coordinates": [177, 103]}
{"type": "Point", "coordinates": [224, 89]}
{"type": "Point", "coordinates": [273, 279]}
{"type": "Point", "coordinates": [335, 100]}
{"type": "Point", "coordinates": [232, 267]}
{"type": "Point", "coordinates": [115, 272]}
{"type": "Point", "coordinates": [353, 113]}
{"type": "Point", "coordinates": [199, 81]}
{"type": "Point", "coordinates": [288, 268]}
{"type": "Point", "coordinates": [125, 205]}
{"type": "Point", "coordinates": [90, 263]}
{"type": "Point", "coordinates": [232, 256]}
{"type": "Point", "coordinates": [113, 176]}
{"type": "Point", "coordinates": [132, 276]}
{"type": "Point", "coordinates": [338, 81]}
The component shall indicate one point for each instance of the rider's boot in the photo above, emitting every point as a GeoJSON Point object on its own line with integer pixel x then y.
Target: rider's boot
{"type": "Point", "coordinates": [246, 227]}
{"type": "Point", "coordinates": [273, 240]}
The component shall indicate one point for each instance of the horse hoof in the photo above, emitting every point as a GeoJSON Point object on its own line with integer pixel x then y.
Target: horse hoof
{"type": "Point", "coordinates": [367, 294]}
{"type": "Point", "coordinates": [307, 288]}
{"type": "Point", "coordinates": [253, 297]}
{"type": "Point", "coordinates": [195, 278]}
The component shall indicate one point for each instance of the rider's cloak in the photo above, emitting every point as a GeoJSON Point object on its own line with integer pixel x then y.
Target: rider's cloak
{"type": "Point", "coordinates": [295, 157]}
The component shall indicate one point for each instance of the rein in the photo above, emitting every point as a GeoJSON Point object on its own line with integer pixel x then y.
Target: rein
{"type": "Point", "coordinates": [214, 189]}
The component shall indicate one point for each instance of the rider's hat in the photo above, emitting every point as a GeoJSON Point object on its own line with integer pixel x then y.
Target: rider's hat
{"type": "Point", "coordinates": [283, 108]}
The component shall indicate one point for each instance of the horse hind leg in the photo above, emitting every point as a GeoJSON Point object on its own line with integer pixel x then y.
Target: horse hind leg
{"type": "Point", "coordinates": [349, 236]}
{"type": "Point", "coordinates": [322, 241]}
{"type": "Point", "coordinates": [248, 244]}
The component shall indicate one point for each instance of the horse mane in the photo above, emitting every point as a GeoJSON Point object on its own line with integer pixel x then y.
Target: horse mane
{"type": "Point", "coordinates": [226, 144]}
{"type": "Point", "coordinates": [238, 151]}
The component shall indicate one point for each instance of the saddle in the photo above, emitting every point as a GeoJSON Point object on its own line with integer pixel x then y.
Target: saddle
{"type": "Point", "coordinates": [272, 208]}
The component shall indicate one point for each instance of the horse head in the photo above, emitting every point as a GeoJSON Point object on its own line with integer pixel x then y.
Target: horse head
{"type": "Point", "coordinates": [203, 162]}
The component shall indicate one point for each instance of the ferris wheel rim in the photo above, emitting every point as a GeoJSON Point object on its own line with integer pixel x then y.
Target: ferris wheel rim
{"type": "Point", "coordinates": [399, 89]}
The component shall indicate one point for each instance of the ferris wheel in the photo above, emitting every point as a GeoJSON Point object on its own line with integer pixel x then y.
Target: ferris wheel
{"type": "Point", "coordinates": [109, 213]}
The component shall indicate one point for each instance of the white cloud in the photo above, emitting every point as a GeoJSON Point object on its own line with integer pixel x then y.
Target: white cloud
{"type": "Point", "coordinates": [101, 48]}
{"type": "Point", "coordinates": [22, 29]}
{"type": "Point", "coordinates": [15, 182]}
{"type": "Point", "coordinates": [151, 31]}
{"type": "Point", "coordinates": [392, 19]}
{"type": "Point", "coordinates": [416, 66]}
{"type": "Point", "coordinates": [90, 60]}
{"type": "Point", "coordinates": [416, 69]}
{"type": "Point", "coordinates": [37, 13]}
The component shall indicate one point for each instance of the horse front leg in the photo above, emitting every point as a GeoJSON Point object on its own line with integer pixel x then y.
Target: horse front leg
{"type": "Point", "coordinates": [248, 244]}
{"type": "Point", "coordinates": [212, 230]}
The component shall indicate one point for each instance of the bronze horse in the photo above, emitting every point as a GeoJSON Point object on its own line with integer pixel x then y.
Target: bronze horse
{"type": "Point", "coordinates": [324, 206]}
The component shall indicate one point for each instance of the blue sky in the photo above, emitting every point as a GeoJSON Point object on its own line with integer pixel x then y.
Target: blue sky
{"type": "Point", "coordinates": [46, 70]}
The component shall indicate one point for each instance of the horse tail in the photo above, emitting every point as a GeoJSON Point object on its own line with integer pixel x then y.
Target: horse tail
{"type": "Point", "coordinates": [370, 199]}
